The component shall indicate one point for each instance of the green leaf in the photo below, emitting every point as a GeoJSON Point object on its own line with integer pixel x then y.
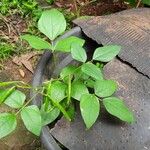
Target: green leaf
{"type": "Point", "coordinates": [80, 75]}
{"type": "Point", "coordinates": [116, 107]}
{"type": "Point", "coordinates": [5, 93]}
{"type": "Point", "coordinates": [78, 89]}
{"type": "Point", "coordinates": [147, 2]}
{"type": "Point", "coordinates": [57, 91]}
{"type": "Point", "coordinates": [69, 70]}
{"type": "Point", "coordinates": [106, 53]}
{"type": "Point", "coordinates": [50, 115]}
{"type": "Point", "coordinates": [90, 108]}
{"type": "Point", "coordinates": [16, 99]}
{"type": "Point", "coordinates": [36, 42]}
{"type": "Point", "coordinates": [92, 70]}
{"type": "Point", "coordinates": [64, 45]}
{"type": "Point", "coordinates": [89, 83]}
{"type": "Point", "coordinates": [8, 124]}
{"type": "Point", "coordinates": [52, 23]}
{"type": "Point", "coordinates": [32, 119]}
{"type": "Point", "coordinates": [50, 1]}
{"type": "Point", "coordinates": [105, 88]}
{"type": "Point", "coordinates": [78, 53]}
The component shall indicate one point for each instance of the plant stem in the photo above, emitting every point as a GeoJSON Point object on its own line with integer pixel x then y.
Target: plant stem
{"type": "Point", "coordinates": [46, 98]}
{"type": "Point", "coordinates": [9, 83]}
{"type": "Point", "coordinates": [53, 56]}
{"type": "Point", "coordinates": [54, 59]}
{"type": "Point", "coordinates": [69, 90]}
{"type": "Point", "coordinates": [98, 98]}
{"type": "Point", "coordinates": [26, 104]}
{"type": "Point", "coordinates": [23, 87]}
{"type": "Point", "coordinates": [59, 107]}
{"type": "Point", "coordinates": [50, 109]}
{"type": "Point", "coordinates": [62, 110]}
{"type": "Point", "coordinates": [52, 43]}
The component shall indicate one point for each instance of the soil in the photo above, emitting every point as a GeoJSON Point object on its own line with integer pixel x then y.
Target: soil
{"type": "Point", "coordinates": [12, 70]}
{"type": "Point", "coordinates": [21, 139]}
{"type": "Point", "coordinates": [11, 27]}
{"type": "Point", "coordinates": [102, 9]}
{"type": "Point", "coordinates": [92, 9]}
{"type": "Point", "coordinates": [16, 70]}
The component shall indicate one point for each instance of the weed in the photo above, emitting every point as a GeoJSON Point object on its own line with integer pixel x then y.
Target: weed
{"type": "Point", "coordinates": [5, 50]}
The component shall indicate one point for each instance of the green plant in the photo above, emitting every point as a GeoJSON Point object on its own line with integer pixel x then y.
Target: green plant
{"type": "Point", "coordinates": [23, 7]}
{"type": "Point", "coordinates": [5, 50]}
{"type": "Point", "coordinates": [50, 1]}
{"type": "Point", "coordinates": [27, 13]}
{"type": "Point", "coordinates": [83, 84]}
{"type": "Point", "coordinates": [137, 2]}
{"type": "Point", "coordinates": [147, 2]}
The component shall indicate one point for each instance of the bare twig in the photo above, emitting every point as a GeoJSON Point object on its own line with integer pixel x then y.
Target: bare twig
{"type": "Point", "coordinates": [138, 4]}
{"type": "Point", "coordinates": [76, 7]}
{"type": "Point", "coordinates": [5, 21]}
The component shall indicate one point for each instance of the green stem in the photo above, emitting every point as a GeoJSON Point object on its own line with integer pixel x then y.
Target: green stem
{"type": "Point", "coordinates": [98, 97]}
{"type": "Point", "coordinates": [60, 108]}
{"type": "Point", "coordinates": [53, 48]}
{"type": "Point", "coordinates": [24, 87]}
{"type": "Point", "coordinates": [47, 102]}
{"type": "Point", "coordinates": [58, 79]}
{"type": "Point", "coordinates": [69, 90]}
{"type": "Point", "coordinates": [26, 104]}
{"type": "Point", "coordinates": [53, 56]}
{"type": "Point", "coordinates": [55, 59]}
{"type": "Point", "coordinates": [50, 109]}
{"type": "Point", "coordinates": [9, 83]}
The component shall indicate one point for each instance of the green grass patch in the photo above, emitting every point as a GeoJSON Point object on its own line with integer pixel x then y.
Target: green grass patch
{"type": "Point", "coordinates": [6, 50]}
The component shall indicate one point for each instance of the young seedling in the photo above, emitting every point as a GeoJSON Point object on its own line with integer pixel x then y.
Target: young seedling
{"type": "Point", "coordinates": [83, 84]}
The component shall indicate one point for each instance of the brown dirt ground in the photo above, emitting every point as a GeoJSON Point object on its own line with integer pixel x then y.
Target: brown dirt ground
{"type": "Point", "coordinates": [92, 9]}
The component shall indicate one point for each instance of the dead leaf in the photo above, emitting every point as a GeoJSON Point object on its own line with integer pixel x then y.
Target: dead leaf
{"type": "Point", "coordinates": [25, 60]}
{"type": "Point", "coordinates": [28, 65]}
{"type": "Point", "coordinates": [29, 55]}
{"type": "Point", "coordinates": [16, 61]}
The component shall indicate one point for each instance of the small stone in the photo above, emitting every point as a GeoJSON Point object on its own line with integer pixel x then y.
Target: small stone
{"type": "Point", "coordinates": [22, 73]}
